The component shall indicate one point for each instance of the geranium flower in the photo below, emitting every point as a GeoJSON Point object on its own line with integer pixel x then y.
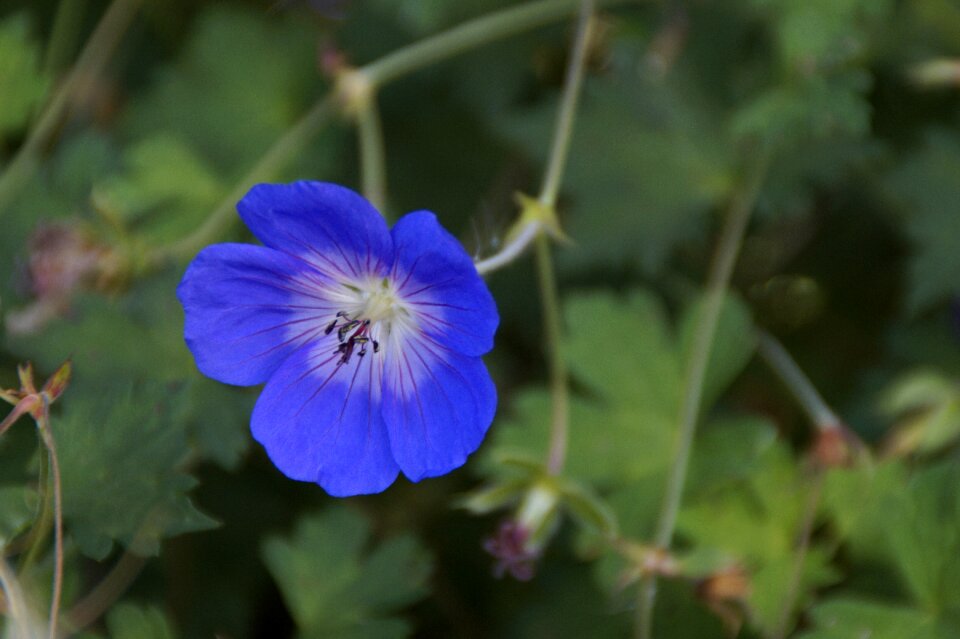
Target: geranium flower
{"type": "Point", "coordinates": [369, 340]}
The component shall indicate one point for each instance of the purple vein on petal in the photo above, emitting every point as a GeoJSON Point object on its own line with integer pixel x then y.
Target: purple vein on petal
{"type": "Point", "coordinates": [312, 332]}
{"type": "Point", "coordinates": [276, 326]}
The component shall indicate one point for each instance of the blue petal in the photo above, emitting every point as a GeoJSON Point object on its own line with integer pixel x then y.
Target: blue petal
{"type": "Point", "coordinates": [321, 422]}
{"type": "Point", "coordinates": [437, 277]}
{"type": "Point", "coordinates": [437, 404]}
{"type": "Point", "coordinates": [247, 309]}
{"type": "Point", "coordinates": [329, 225]}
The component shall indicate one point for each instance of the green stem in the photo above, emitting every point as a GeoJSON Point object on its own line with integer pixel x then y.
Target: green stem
{"type": "Point", "coordinates": [559, 387]}
{"type": "Point", "coordinates": [47, 434]}
{"type": "Point", "coordinates": [472, 34]}
{"type": "Point", "coordinates": [721, 270]}
{"type": "Point", "coordinates": [18, 611]}
{"type": "Point", "coordinates": [41, 526]}
{"type": "Point", "coordinates": [559, 391]}
{"type": "Point", "coordinates": [803, 547]}
{"type": "Point", "coordinates": [568, 107]}
{"type": "Point", "coordinates": [797, 382]}
{"type": "Point", "coordinates": [373, 166]}
{"type": "Point", "coordinates": [63, 36]}
{"type": "Point", "coordinates": [511, 251]}
{"type": "Point", "coordinates": [89, 65]}
{"type": "Point", "coordinates": [291, 143]}
{"type": "Point", "coordinates": [86, 611]}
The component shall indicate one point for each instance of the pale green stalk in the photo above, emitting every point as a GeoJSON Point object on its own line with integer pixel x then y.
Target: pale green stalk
{"type": "Point", "coordinates": [431, 50]}
{"type": "Point", "coordinates": [705, 330]}
{"type": "Point", "coordinates": [373, 164]}
{"type": "Point", "coordinates": [797, 382]}
{"type": "Point", "coordinates": [550, 302]}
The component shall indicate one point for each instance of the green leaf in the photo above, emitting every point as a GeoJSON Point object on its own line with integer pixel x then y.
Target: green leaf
{"type": "Point", "coordinates": [663, 166]}
{"type": "Point", "coordinates": [18, 505]}
{"type": "Point", "coordinates": [926, 191]}
{"type": "Point", "coordinates": [732, 346]}
{"type": "Point", "coordinates": [625, 353]}
{"type": "Point", "coordinates": [843, 618]}
{"type": "Point", "coordinates": [335, 588]}
{"type": "Point", "coordinates": [135, 336]}
{"type": "Point", "coordinates": [240, 83]}
{"type": "Point", "coordinates": [22, 83]}
{"type": "Point", "coordinates": [757, 521]}
{"type": "Point", "coordinates": [129, 621]}
{"type": "Point", "coordinates": [812, 32]}
{"type": "Point", "coordinates": [166, 190]}
{"type": "Point", "coordinates": [120, 454]}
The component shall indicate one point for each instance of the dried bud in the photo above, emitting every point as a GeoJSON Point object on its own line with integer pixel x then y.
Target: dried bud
{"type": "Point", "coordinates": [509, 547]}
{"type": "Point", "coordinates": [836, 446]}
{"type": "Point", "coordinates": [61, 260]}
{"type": "Point", "coordinates": [725, 593]}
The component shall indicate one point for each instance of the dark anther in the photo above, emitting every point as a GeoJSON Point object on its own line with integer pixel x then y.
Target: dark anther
{"type": "Point", "coordinates": [329, 328]}
{"type": "Point", "coordinates": [376, 346]}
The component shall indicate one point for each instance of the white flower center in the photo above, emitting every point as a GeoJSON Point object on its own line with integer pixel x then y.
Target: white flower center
{"type": "Point", "coordinates": [379, 303]}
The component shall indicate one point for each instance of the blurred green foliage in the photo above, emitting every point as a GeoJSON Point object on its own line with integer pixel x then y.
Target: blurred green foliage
{"type": "Point", "coordinates": [852, 259]}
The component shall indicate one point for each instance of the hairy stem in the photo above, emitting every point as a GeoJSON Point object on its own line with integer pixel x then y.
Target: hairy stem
{"type": "Point", "coordinates": [47, 433]}
{"type": "Point", "coordinates": [511, 251]}
{"type": "Point", "coordinates": [721, 269]}
{"type": "Point", "coordinates": [373, 166]}
{"type": "Point", "coordinates": [89, 65]}
{"type": "Point", "coordinates": [797, 382]}
{"type": "Point", "coordinates": [559, 386]}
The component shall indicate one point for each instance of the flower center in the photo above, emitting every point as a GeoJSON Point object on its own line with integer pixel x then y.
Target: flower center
{"type": "Point", "coordinates": [380, 303]}
{"type": "Point", "coordinates": [370, 316]}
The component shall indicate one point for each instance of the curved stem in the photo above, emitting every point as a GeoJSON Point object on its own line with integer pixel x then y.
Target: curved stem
{"type": "Point", "coordinates": [568, 107]}
{"type": "Point", "coordinates": [44, 424]}
{"type": "Point", "coordinates": [291, 143]}
{"type": "Point", "coordinates": [474, 33]}
{"type": "Point", "coordinates": [114, 584]}
{"type": "Point", "coordinates": [510, 251]}
{"type": "Point", "coordinates": [797, 382]}
{"type": "Point", "coordinates": [373, 166]}
{"type": "Point", "coordinates": [559, 387]}
{"type": "Point", "coordinates": [19, 612]}
{"type": "Point", "coordinates": [721, 270]}
{"type": "Point", "coordinates": [90, 63]}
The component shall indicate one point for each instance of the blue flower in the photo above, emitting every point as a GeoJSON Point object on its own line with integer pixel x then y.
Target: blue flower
{"type": "Point", "coordinates": [368, 338]}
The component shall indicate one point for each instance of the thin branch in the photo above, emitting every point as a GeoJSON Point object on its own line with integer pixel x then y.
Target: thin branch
{"type": "Point", "coordinates": [291, 143]}
{"type": "Point", "coordinates": [797, 382]}
{"type": "Point", "coordinates": [373, 165]}
{"type": "Point", "coordinates": [559, 386]}
{"type": "Point", "coordinates": [51, 445]}
{"type": "Point", "coordinates": [721, 270]}
{"type": "Point", "coordinates": [472, 34]}
{"type": "Point", "coordinates": [510, 251]}
{"type": "Point", "coordinates": [18, 610]}
{"type": "Point", "coordinates": [803, 547]}
{"type": "Point", "coordinates": [434, 49]}
{"type": "Point", "coordinates": [89, 65]}
{"type": "Point", "coordinates": [86, 611]}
